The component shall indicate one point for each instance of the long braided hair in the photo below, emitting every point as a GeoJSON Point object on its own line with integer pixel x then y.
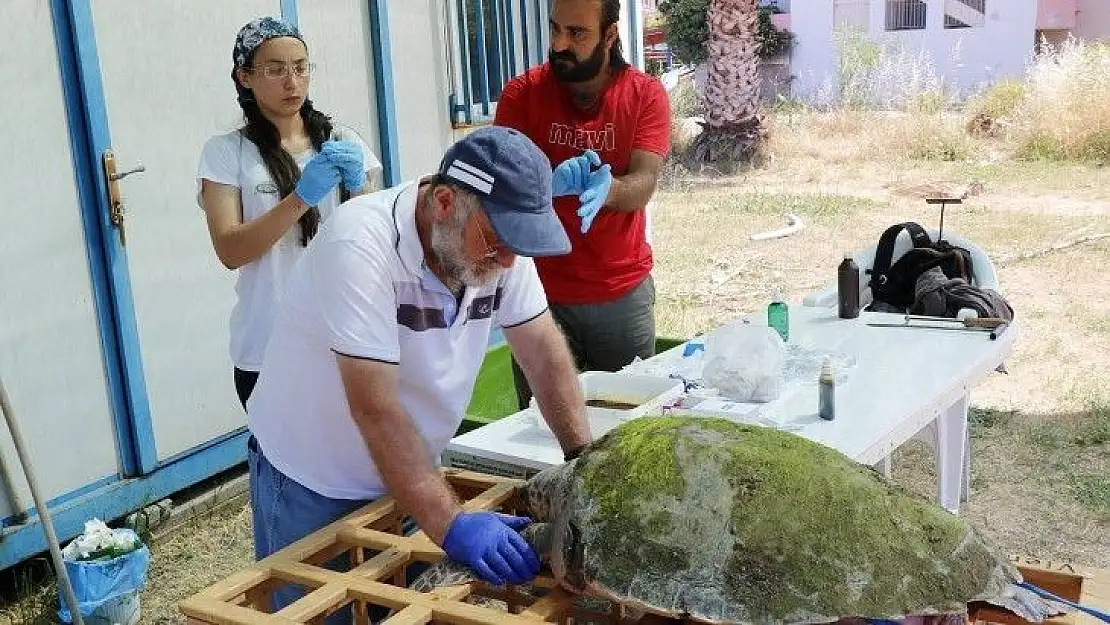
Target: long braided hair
{"type": "Point", "coordinates": [283, 169]}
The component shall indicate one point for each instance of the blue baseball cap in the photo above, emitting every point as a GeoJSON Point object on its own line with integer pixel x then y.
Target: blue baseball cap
{"type": "Point", "coordinates": [512, 179]}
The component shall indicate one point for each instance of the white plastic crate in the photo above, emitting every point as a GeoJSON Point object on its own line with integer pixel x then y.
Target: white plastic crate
{"type": "Point", "coordinates": [646, 394]}
{"type": "Point", "coordinates": [471, 462]}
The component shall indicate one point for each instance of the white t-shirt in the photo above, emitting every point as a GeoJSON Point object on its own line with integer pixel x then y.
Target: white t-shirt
{"type": "Point", "coordinates": [362, 290]}
{"type": "Point", "coordinates": [233, 160]}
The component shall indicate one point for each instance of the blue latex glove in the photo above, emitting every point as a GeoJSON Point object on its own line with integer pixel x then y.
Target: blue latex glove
{"type": "Point", "coordinates": [319, 177]}
{"type": "Point", "coordinates": [347, 155]}
{"type": "Point", "coordinates": [593, 198]}
{"type": "Point", "coordinates": [490, 544]}
{"type": "Point", "coordinates": [572, 175]}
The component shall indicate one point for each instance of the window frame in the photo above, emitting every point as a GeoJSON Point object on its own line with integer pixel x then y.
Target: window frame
{"type": "Point", "coordinates": [904, 8]}
{"type": "Point", "coordinates": [520, 38]}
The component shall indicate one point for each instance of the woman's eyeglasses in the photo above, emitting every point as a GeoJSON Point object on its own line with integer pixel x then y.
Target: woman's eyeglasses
{"type": "Point", "coordinates": [278, 71]}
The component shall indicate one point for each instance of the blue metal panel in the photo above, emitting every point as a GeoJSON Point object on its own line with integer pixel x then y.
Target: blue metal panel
{"type": "Point", "coordinates": [540, 26]}
{"type": "Point", "coordinates": [453, 107]}
{"type": "Point", "coordinates": [88, 131]}
{"type": "Point", "coordinates": [120, 498]}
{"type": "Point", "coordinates": [383, 90]}
{"type": "Point", "coordinates": [32, 514]}
{"type": "Point", "coordinates": [499, 53]}
{"type": "Point", "coordinates": [483, 67]}
{"type": "Point", "coordinates": [510, 28]}
{"type": "Point", "coordinates": [524, 34]}
{"type": "Point", "coordinates": [464, 51]}
{"type": "Point", "coordinates": [289, 11]}
{"type": "Point", "coordinates": [635, 47]}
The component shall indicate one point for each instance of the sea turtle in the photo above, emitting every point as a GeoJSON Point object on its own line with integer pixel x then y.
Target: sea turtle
{"type": "Point", "coordinates": [715, 521]}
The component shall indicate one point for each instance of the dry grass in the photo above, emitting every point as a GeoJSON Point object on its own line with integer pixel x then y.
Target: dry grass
{"type": "Point", "coordinates": [1066, 112]}
{"type": "Point", "coordinates": [200, 554]}
{"type": "Point", "coordinates": [889, 101]}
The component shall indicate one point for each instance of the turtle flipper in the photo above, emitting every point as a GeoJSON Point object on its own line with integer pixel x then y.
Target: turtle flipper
{"type": "Point", "coordinates": [1026, 604]}
{"type": "Point", "coordinates": [446, 572]}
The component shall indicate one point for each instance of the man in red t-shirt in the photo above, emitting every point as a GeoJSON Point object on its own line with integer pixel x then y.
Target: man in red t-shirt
{"type": "Point", "coordinates": [587, 106]}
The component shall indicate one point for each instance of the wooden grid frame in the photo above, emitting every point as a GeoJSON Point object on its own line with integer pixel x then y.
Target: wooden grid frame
{"type": "Point", "coordinates": [379, 553]}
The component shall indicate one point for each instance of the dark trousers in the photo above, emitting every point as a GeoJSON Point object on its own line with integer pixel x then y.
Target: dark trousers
{"type": "Point", "coordinates": [603, 337]}
{"type": "Point", "coordinates": [244, 384]}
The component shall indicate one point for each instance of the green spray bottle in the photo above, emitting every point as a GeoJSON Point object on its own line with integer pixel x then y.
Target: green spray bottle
{"type": "Point", "coordinates": [778, 317]}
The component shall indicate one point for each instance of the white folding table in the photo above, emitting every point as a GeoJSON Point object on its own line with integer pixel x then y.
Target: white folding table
{"type": "Point", "coordinates": [904, 383]}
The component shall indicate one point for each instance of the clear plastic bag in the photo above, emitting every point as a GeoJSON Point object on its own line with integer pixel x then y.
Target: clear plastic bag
{"type": "Point", "coordinates": [745, 363]}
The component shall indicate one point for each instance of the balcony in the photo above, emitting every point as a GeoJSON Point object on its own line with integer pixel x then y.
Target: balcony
{"type": "Point", "coordinates": [1056, 14]}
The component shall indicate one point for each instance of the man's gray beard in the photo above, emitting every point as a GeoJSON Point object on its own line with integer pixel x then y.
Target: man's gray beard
{"type": "Point", "coordinates": [447, 245]}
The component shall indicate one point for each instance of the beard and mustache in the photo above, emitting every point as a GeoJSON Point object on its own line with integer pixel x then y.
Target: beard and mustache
{"type": "Point", "coordinates": [448, 241]}
{"type": "Point", "coordinates": [448, 237]}
{"type": "Point", "coordinates": [568, 68]}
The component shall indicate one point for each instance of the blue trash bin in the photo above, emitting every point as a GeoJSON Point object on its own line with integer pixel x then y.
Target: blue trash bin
{"type": "Point", "coordinates": [107, 590]}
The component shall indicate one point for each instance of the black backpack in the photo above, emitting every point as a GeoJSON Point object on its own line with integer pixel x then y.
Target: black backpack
{"type": "Point", "coordinates": [893, 284]}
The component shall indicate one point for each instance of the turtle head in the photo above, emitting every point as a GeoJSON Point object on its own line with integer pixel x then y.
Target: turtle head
{"type": "Point", "coordinates": [559, 547]}
{"type": "Point", "coordinates": [540, 536]}
{"type": "Point", "coordinates": [544, 493]}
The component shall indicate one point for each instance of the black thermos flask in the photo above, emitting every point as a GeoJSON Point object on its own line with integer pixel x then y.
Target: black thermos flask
{"type": "Point", "coordinates": [847, 287]}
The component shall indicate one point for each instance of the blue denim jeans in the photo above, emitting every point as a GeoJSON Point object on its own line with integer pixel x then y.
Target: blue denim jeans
{"type": "Point", "coordinates": [284, 511]}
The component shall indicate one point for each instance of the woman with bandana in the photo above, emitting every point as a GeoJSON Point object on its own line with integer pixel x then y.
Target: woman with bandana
{"type": "Point", "coordinates": [265, 187]}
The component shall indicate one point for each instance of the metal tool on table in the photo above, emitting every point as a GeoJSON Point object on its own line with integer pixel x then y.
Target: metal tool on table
{"type": "Point", "coordinates": [944, 198]}
{"type": "Point", "coordinates": [995, 326]}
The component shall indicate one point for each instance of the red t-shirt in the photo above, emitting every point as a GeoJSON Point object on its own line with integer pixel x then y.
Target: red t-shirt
{"type": "Point", "coordinates": [634, 114]}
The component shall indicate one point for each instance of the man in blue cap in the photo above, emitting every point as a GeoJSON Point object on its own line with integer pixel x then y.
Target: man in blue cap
{"type": "Point", "coordinates": [378, 341]}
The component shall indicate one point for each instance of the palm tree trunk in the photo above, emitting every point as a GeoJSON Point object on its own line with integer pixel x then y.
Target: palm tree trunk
{"type": "Point", "coordinates": [733, 126]}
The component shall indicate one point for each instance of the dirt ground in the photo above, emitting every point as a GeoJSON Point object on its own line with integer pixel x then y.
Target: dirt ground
{"type": "Point", "coordinates": [1041, 433]}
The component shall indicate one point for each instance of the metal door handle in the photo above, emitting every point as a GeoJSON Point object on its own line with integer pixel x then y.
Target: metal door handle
{"type": "Point", "coordinates": [120, 176]}
{"type": "Point", "coordinates": [115, 200]}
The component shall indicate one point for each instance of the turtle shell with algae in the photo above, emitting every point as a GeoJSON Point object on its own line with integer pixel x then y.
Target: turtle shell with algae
{"type": "Point", "coordinates": [715, 521]}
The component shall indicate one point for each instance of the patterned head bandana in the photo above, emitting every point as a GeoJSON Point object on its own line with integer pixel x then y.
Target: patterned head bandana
{"type": "Point", "coordinates": [258, 32]}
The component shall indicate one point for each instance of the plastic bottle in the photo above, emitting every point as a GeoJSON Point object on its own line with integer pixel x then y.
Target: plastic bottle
{"type": "Point", "coordinates": [826, 392]}
{"type": "Point", "coordinates": [778, 317]}
{"type": "Point", "coordinates": [847, 287]}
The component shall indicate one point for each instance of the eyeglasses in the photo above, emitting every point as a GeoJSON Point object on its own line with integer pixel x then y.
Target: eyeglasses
{"type": "Point", "coordinates": [492, 251]}
{"type": "Point", "coordinates": [278, 71]}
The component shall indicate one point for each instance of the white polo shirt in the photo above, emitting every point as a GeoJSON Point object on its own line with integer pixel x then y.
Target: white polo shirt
{"type": "Point", "coordinates": [362, 290]}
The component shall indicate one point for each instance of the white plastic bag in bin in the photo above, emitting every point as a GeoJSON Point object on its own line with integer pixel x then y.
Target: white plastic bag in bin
{"type": "Point", "coordinates": [745, 363]}
{"type": "Point", "coordinates": [107, 568]}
